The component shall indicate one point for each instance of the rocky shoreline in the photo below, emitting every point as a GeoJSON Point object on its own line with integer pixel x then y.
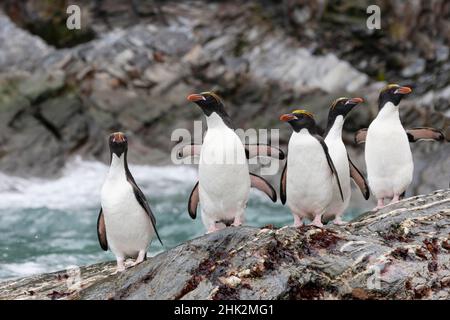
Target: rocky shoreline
{"type": "Point", "coordinates": [130, 69]}
{"type": "Point", "coordinates": [399, 252]}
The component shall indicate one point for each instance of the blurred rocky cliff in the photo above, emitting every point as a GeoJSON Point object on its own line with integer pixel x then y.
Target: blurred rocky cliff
{"type": "Point", "coordinates": [132, 64]}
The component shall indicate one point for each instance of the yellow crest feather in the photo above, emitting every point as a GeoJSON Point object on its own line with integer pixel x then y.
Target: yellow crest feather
{"type": "Point", "coordinates": [336, 101]}
{"type": "Point", "coordinates": [216, 96]}
{"type": "Point", "coordinates": [303, 112]}
{"type": "Point", "coordinates": [390, 86]}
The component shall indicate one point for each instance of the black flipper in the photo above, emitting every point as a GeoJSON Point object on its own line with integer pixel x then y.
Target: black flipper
{"type": "Point", "coordinates": [330, 163]}
{"type": "Point", "coordinates": [283, 184]}
{"type": "Point", "coordinates": [423, 133]}
{"type": "Point", "coordinates": [255, 150]}
{"type": "Point", "coordinates": [414, 134]}
{"type": "Point", "coordinates": [101, 231]}
{"type": "Point", "coordinates": [193, 202]}
{"type": "Point", "coordinates": [140, 197]}
{"type": "Point", "coordinates": [264, 186]}
{"type": "Point", "coordinates": [359, 179]}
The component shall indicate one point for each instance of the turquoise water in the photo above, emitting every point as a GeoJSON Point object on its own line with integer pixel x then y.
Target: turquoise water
{"type": "Point", "coordinates": [42, 240]}
{"type": "Point", "coordinates": [50, 225]}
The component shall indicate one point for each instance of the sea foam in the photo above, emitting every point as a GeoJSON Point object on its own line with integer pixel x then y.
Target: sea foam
{"type": "Point", "coordinates": [80, 183]}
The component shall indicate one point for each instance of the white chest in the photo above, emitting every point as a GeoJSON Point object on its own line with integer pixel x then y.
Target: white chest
{"type": "Point", "coordinates": [337, 151]}
{"type": "Point", "coordinates": [387, 144]}
{"type": "Point", "coordinates": [304, 152]}
{"type": "Point", "coordinates": [338, 154]}
{"type": "Point", "coordinates": [309, 182]}
{"type": "Point", "coordinates": [222, 146]}
{"type": "Point", "coordinates": [223, 170]}
{"type": "Point", "coordinates": [307, 165]}
{"type": "Point", "coordinates": [222, 155]}
{"type": "Point", "coordinates": [128, 226]}
{"type": "Point", "coordinates": [117, 193]}
{"type": "Point", "coordinates": [117, 196]}
{"type": "Point", "coordinates": [388, 155]}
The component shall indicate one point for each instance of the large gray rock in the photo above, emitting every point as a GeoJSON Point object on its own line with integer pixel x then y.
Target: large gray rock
{"type": "Point", "coordinates": [19, 49]}
{"type": "Point", "coordinates": [135, 77]}
{"type": "Point", "coordinates": [399, 252]}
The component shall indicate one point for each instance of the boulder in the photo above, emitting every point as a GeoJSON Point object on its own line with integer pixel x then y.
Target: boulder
{"type": "Point", "coordinates": [399, 252]}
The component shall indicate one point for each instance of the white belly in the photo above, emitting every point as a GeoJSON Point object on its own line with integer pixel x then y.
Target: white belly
{"type": "Point", "coordinates": [338, 154]}
{"type": "Point", "coordinates": [223, 175]}
{"type": "Point", "coordinates": [128, 226]}
{"type": "Point", "coordinates": [388, 158]}
{"type": "Point", "coordinates": [309, 181]}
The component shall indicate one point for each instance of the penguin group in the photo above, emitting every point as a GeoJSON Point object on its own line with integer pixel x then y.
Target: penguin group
{"type": "Point", "coordinates": [315, 182]}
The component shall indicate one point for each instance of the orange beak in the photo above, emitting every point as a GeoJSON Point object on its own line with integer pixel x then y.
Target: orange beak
{"type": "Point", "coordinates": [287, 117]}
{"type": "Point", "coordinates": [195, 97]}
{"type": "Point", "coordinates": [403, 90]}
{"type": "Point", "coordinates": [118, 137]}
{"type": "Point", "coordinates": [355, 100]}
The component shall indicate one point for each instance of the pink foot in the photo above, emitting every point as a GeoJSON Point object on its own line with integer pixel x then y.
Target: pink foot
{"type": "Point", "coordinates": [237, 222]}
{"type": "Point", "coordinates": [297, 221]}
{"type": "Point", "coordinates": [338, 221]}
{"type": "Point", "coordinates": [212, 229]}
{"type": "Point", "coordinates": [140, 258]}
{"type": "Point", "coordinates": [395, 199]}
{"type": "Point", "coordinates": [120, 265]}
{"type": "Point", "coordinates": [380, 205]}
{"type": "Point", "coordinates": [317, 221]}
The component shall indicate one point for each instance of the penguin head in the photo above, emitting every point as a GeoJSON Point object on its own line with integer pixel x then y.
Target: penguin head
{"type": "Point", "coordinates": [118, 143]}
{"type": "Point", "coordinates": [341, 107]}
{"type": "Point", "coordinates": [392, 93]}
{"type": "Point", "coordinates": [210, 103]}
{"type": "Point", "coordinates": [300, 119]}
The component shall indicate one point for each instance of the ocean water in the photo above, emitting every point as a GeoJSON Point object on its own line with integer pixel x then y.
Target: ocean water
{"type": "Point", "coordinates": [50, 225]}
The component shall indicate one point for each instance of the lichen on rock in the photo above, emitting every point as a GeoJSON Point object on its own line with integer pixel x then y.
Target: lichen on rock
{"type": "Point", "coordinates": [399, 252]}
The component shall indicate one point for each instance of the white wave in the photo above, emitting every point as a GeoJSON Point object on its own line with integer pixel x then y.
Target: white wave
{"type": "Point", "coordinates": [80, 184]}
{"type": "Point", "coordinates": [16, 270]}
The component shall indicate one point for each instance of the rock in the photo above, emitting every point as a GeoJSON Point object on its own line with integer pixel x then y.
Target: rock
{"type": "Point", "coordinates": [41, 85]}
{"type": "Point", "coordinates": [415, 68]}
{"type": "Point", "coordinates": [442, 53]}
{"type": "Point", "coordinates": [48, 21]}
{"type": "Point", "coordinates": [260, 58]}
{"type": "Point", "coordinates": [27, 50]}
{"type": "Point", "coordinates": [43, 123]}
{"type": "Point", "coordinates": [399, 252]}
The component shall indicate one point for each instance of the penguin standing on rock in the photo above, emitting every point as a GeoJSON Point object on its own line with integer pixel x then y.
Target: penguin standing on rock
{"type": "Point", "coordinates": [224, 178]}
{"type": "Point", "coordinates": [338, 153]}
{"type": "Point", "coordinates": [125, 223]}
{"type": "Point", "coordinates": [388, 155]}
{"type": "Point", "coordinates": [308, 178]}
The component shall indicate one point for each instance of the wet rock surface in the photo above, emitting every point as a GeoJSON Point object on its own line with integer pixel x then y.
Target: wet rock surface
{"type": "Point", "coordinates": [399, 252]}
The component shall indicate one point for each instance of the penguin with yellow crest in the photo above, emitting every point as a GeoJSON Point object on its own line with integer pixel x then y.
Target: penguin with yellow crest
{"type": "Point", "coordinates": [309, 174]}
